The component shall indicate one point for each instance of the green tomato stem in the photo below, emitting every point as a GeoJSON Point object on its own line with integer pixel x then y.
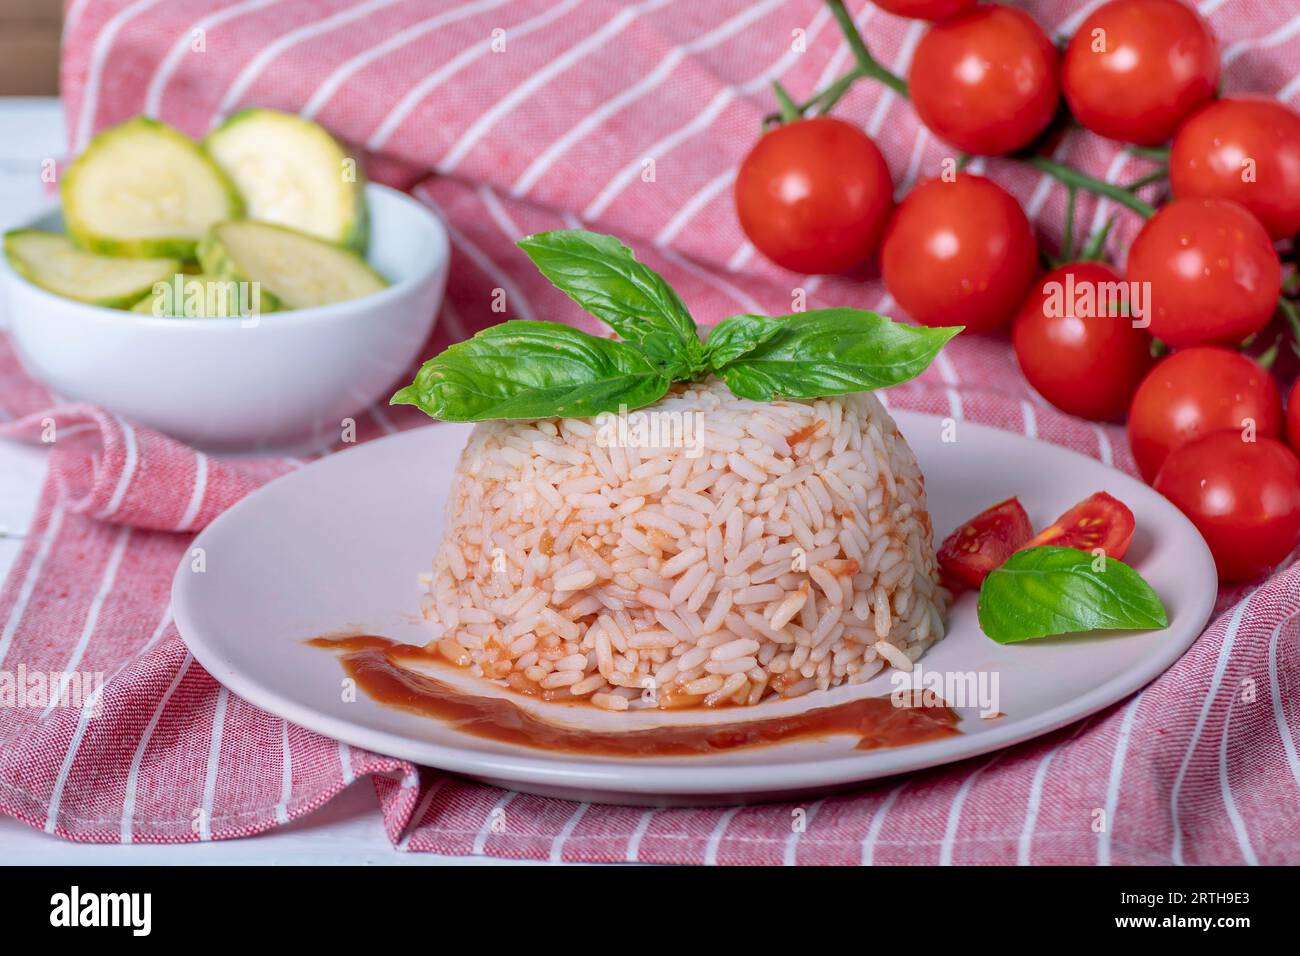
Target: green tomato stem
{"type": "Point", "coordinates": [868, 65]}
{"type": "Point", "coordinates": [1073, 177]}
{"type": "Point", "coordinates": [1155, 176]}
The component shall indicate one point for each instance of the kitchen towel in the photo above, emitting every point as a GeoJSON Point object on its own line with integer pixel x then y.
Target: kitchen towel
{"type": "Point", "coordinates": [510, 118]}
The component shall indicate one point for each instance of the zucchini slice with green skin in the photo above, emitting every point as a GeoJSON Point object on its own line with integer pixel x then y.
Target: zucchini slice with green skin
{"type": "Point", "coordinates": [201, 296]}
{"type": "Point", "coordinates": [294, 270]}
{"type": "Point", "coordinates": [51, 261]}
{"type": "Point", "coordinates": [292, 172]}
{"type": "Point", "coordinates": [144, 189]}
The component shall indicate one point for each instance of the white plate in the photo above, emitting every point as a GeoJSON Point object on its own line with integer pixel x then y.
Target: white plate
{"type": "Point", "coordinates": [337, 546]}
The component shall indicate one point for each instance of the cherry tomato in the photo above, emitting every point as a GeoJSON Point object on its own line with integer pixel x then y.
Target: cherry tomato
{"type": "Point", "coordinates": [1137, 68]}
{"type": "Point", "coordinates": [983, 543]}
{"type": "Point", "coordinates": [1098, 521]}
{"type": "Point", "coordinates": [1246, 149]}
{"type": "Point", "coordinates": [985, 81]}
{"type": "Point", "coordinates": [1244, 498]}
{"type": "Point", "coordinates": [1213, 272]}
{"type": "Point", "coordinates": [1195, 392]}
{"type": "Point", "coordinates": [815, 195]}
{"type": "Point", "coordinates": [1082, 356]}
{"type": "Point", "coordinates": [959, 253]}
{"type": "Point", "coordinates": [926, 9]}
{"type": "Point", "coordinates": [1293, 415]}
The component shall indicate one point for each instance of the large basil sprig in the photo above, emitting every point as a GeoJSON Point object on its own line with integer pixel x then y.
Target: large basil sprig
{"type": "Point", "coordinates": [1043, 591]}
{"type": "Point", "coordinates": [533, 370]}
{"type": "Point", "coordinates": [823, 352]}
{"type": "Point", "coordinates": [600, 274]}
{"type": "Point", "coordinates": [522, 370]}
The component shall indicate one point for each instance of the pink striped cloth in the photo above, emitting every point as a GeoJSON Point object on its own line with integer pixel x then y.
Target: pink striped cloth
{"type": "Point", "coordinates": [630, 117]}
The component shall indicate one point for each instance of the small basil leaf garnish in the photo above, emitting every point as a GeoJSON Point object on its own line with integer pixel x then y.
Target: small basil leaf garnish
{"type": "Point", "coordinates": [522, 370]}
{"type": "Point", "coordinates": [1043, 591]}
{"type": "Point", "coordinates": [601, 274]}
{"type": "Point", "coordinates": [734, 336]}
{"type": "Point", "coordinates": [828, 352]}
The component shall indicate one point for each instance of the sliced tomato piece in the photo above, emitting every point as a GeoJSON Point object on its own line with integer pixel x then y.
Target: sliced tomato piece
{"type": "Point", "coordinates": [1098, 521]}
{"type": "Point", "coordinates": [983, 543]}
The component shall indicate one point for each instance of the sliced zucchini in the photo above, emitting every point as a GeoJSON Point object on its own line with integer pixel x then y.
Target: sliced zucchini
{"type": "Point", "coordinates": [202, 296]}
{"type": "Point", "coordinates": [293, 270]}
{"type": "Point", "coordinates": [142, 188]}
{"type": "Point", "coordinates": [49, 260]}
{"type": "Point", "coordinates": [292, 172]}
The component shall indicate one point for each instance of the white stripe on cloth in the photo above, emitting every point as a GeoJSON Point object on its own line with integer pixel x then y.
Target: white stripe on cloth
{"type": "Point", "coordinates": [286, 775]}
{"type": "Point", "coordinates": [92, 616]}
{"type": "Point", "coordinates": [557, 845]}
{"type": "Point", "coordinates": [196, 496]}
{"type": "Point", "coordinates": [477, 256]}
{"type": "Point", "coordinates": [589, 123]}
{"type": "Point", "coordinates": [29, 580]}
{"type": "Point", "coordinates": [1030, 418]}
{"type": "Point", "coordinates": [345, 762]}
{"type": "Point", "coordinates": [416, 94]}
{"type": "Point", "coordinates": [1116, 777]}
{"type": "Point", "coordinates": [638, 834]}
{"type": "Point", "coordinates": [509, 228]}
{"type": "Point", "coordinates": [715, 838]}
{"type": "Point", "coordinates": [130, 458]}
{"type": "Point", "coordinates": [1024, 846]}
{"type": "Point", "coordinates": [61, 781]}
{"type": "Point", "coordinates": [693, 205]}
{"type": "Point", "coordinates": [421, 809]}
{"type": "Point", "coordinates": [346, 70]}
{"type": "Point", "coordinates": [949, 842]}
{"type": "Point", "coordinates": [481, 838]}
{"type": "Point", "coordinates": [744, 300]}
{"type": "Point", "coordinates": [1176, 791]}
{"type": "Point", "coordinates": [162, 75]}
{"type": "Point", "coordinates": [1225, 789]}
{"type": "Point", "coordinates": [268, 54]}
{"type": "Point", "coordinates": [214, 765]}
{"type": "Point", "coordinates": [878, 823]}
{"type": "Point", "coordinates": [133, 775]}
{"type": "Point", "coordinates": [1276, 38]}
{"type": "Point", "coordinates": [98, 55]}
{"type": "Point", "coordinates": [539, 78]}
{"type": "Point", "coordinates": [790, 853]}
{"type": "Point", "coordinates": [1275, 694]}
{"type": "Point", "coordinates": [887, 95]}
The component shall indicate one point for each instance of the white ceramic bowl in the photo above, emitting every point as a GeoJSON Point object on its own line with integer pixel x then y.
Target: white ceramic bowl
{"type": "Point", "coordinates": [283, 382]}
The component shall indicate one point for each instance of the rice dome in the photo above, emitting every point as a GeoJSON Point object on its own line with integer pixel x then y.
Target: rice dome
{"type": "Point", "coordinates": [704, 550]}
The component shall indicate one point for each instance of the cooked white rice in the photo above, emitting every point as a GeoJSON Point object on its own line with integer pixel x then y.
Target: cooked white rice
{"type": "Point", "coordinates": [786, 548]}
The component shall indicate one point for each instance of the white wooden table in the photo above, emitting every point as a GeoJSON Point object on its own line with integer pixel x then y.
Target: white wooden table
{"type": "Point", "coordinates": [348, 830]}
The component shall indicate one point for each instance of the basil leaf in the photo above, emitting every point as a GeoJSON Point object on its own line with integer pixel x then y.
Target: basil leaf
{"type": "Point", "coordinates": [827, 352]}
{"type": "Point", "coordinates": [600, 274]}
{"type": "Point", "coordinates": [524, 369]}
{"type": "Point", "coordinates": [1043, 591]}
{"type": "Point", "coordinates": [733, 337]}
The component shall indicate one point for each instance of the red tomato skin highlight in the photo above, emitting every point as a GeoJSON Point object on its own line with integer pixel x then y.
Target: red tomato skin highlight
{"type": "Point", "coordinates": [986, 81]}
{"type": "Point", "coordinates": [1155, 62]}
{"type": "Point", "coordinates": [1214, 274]}
{"type": "Point", "coordinates": [1098, 521]}
{"type": "Point", "coordinates": [1195, 392]}
{"type": "Point", "coordinates": [815, 195]}
{"type": "Point", "coordinates": [926, 9]}
{"type": "Point", "coordinates": [959, 253]}
{"type": "Point", "coordinates": [1087, 365]}
{"type": "Point", "coordinates": [1244, 498]}
{"type": "Point", "coordinates": [1218, 150]}
{"type": "Point", "coordinates": [983, 543]}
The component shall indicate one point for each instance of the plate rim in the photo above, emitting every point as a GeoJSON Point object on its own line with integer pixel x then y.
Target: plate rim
{"type": "Point", "coordinates": [681, 779]}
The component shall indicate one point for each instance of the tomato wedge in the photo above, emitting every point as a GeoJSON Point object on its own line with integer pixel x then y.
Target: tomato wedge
{"type": "Point", "coordinates": [1098, 521]}
{"type": "Point", "coordinates": [983, 543]}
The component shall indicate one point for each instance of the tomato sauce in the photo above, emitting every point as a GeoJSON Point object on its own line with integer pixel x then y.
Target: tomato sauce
{"type": "Point", "coordinates": [876, 721]}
